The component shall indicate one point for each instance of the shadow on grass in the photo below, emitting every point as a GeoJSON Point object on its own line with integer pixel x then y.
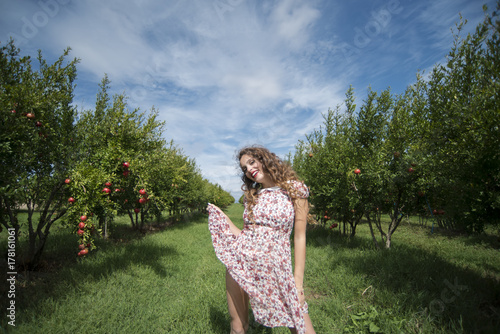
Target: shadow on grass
{"type": "Point", "coordinates": [256, 328]}
{"type": "Point", "coordinates": [319, 236]}
{"type": "Point", "coordinates": [125, 231]}
{"type": "Point", "coordinates": [63, 272]}
{"type": "Point", "coordinates": [148, 255]}
{"type": "Point", "coordinates": [219, 321]}
{"type": "Point", "coordinates": [483, 239]}
{"type": "Point", "coordinates": [419, 281]}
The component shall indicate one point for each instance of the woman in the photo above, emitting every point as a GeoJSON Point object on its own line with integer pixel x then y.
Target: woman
{"type": "Point", "coordinates": [258, 258]}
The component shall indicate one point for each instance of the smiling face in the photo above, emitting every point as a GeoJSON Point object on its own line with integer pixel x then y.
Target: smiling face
{"type": "Point", "coordinates": [254, 170]}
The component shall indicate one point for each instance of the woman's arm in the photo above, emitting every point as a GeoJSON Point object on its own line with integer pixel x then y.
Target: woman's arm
{"type": "Point", "coordinates": [234, 229]}
{"type": "Point", "coordinates": [301, 212]}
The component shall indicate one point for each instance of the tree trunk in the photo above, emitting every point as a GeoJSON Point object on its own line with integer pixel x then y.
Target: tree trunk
{"type": "Point", "coordinates": [395, 221]}
{"type": "Point", "coordinates": [36, 244]}
{"type": "Point", "coordinates": [388, 240]}
{"type": "Point", "coordinates": [37, 238]}
{"type": "Point", "coordinates": [372, 232]}
{"type": "Point", "coordinates": [35, 261]}
{"type": "Point", "coordinates": [14, 223]}
{"type": "Point", "coordinates": [142, 220]}
{"type": "Point", "coordinates": [105, 234]}
{"type": "Point", "coordinates": [131, 218]}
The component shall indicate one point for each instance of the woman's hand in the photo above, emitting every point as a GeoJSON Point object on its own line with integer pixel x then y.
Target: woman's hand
{"type": "Point", "coordinates": [233, 228]}
{"type": "Point", "coordinates": [210, 205]}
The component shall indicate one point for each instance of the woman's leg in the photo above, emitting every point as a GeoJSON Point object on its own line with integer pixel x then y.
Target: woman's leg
{"type": "Point", "coordinates": [309, 326]}
{"type": "Point", "coordinates": [237, 301]}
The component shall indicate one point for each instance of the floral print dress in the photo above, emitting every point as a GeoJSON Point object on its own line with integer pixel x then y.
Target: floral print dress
{"type": "Point", "coordinates": [259, 258]}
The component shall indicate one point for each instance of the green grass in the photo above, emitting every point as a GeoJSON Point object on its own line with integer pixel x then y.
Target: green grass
{"type": "Point", "coordinates": [171, 282]}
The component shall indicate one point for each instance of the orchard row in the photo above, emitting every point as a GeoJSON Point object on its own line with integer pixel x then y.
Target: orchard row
{"type": "Point", "coordinates": [95, 164]}
{"type": "Point", "coordinates": [431, 151]}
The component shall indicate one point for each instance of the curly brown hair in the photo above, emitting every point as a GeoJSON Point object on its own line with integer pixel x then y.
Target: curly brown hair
{"type": "Point", "coordinates": [280, 172]}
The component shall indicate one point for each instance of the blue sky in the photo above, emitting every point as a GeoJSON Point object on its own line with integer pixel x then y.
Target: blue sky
{"type": "Point", "coordinates": [228, 73]}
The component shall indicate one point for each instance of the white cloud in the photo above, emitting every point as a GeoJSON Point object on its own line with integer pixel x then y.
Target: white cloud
{"type": "Point", "coordinates": [225, 74]}
{"type": "Point", "coordinates": [291, 19]}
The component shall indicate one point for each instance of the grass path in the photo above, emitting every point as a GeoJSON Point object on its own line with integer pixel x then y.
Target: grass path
{"type": "Point", "coordinates": [171, 282]}
{"type": "Point", "coordinates": [167, 282]}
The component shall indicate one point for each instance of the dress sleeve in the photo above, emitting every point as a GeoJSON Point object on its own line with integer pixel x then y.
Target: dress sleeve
{"type": "Point", "coordinates": [301, 188]}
